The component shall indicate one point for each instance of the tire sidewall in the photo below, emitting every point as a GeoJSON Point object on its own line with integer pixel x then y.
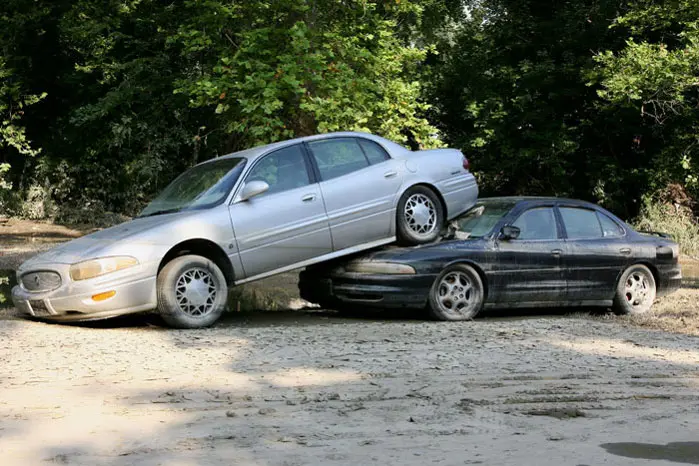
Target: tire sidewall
{"type": "Point", "coordinates": [167, 303]}
{"type": "Point", "coordinates": [405, 235]}
{"type": "Point", "coordinates": [477, 283]}
{"type": "Point", "coordinates": [621, 305]}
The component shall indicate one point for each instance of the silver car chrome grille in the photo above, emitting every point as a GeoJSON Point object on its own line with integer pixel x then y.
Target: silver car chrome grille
{"type": "Point", "coordinates": [40, 281]}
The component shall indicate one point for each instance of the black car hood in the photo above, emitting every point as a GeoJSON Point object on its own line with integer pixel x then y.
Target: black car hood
{"type": "Point", "coordinates": [416, 253]}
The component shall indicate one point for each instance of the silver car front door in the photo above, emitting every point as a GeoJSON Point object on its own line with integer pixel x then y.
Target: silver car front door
{"type": "Point", "coordinates": [359, 182]}
{"type": "Point", "coordinates": [286, 224]}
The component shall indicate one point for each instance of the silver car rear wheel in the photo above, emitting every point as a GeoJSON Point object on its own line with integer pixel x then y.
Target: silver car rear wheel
{"type": "Point", "coordinates": [192, 292]}
{"type": "Point", "coordinates": [419, 216]}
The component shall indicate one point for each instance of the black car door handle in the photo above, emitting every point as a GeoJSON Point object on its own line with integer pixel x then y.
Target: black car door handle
{"type": "Point", "coordinates": [556, 252]}
{"type": "Point", "coordinates": [625, 251]}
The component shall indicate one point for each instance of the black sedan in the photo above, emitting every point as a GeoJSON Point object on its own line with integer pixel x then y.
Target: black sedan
{"type": "Point", "coordinates": [509, 252]}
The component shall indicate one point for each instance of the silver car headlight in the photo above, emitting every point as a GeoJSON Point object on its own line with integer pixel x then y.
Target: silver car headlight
{"type": "Point", "coordinates": [102, 266]}
{"type": "Point", "coordinates": [387, 268]}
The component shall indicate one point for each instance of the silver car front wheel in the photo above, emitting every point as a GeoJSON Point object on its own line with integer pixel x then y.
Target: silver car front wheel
{"type": "Point", "coordinates": [192, 292]}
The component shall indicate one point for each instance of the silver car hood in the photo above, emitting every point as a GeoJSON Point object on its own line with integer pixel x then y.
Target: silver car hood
{"type": "Point", "coordinates": [98, 243]}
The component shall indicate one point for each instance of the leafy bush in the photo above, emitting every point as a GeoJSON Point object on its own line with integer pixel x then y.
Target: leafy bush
{"type": "Point", "coordinates": [670, 211]}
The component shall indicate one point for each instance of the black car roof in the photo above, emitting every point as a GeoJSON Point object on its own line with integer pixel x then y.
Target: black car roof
{"type": "Point", "coordinates": [517, 199]}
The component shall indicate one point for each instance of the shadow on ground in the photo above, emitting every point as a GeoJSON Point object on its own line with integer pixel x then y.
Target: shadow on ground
{"type": "Point", "coordinates": [677, 452]}
{"type": "Point", "coordinates": [310, 317]}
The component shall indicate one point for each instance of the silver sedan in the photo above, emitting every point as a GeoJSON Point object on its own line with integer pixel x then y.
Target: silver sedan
{"type": "Point", "coordinates": [246, 216]}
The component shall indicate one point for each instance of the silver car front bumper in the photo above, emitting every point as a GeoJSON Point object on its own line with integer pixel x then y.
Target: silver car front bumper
{"type": "Point", "coordinates": [72, 301]}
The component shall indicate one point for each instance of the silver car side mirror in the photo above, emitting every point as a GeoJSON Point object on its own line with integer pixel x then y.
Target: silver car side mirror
{"type": "Point", "coordinates": [252, 189]}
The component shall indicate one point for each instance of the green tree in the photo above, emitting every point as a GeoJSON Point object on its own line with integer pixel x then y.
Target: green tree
{"type": "Point", "coordinates": [656, 76]}
{"type": "Point", "coordinates": [511, 89]}
{"type": "Point", "coordinates": [287, 69]}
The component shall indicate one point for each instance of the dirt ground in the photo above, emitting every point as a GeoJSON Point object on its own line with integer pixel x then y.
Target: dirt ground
{"type": "Point", "coordinates": [310, 387]}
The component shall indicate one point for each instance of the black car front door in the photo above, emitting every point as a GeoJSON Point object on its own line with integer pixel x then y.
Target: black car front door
{"type": "Point", "coordinates": [597, 251]}
{"type": "Point", "coordinates": [528, 270]}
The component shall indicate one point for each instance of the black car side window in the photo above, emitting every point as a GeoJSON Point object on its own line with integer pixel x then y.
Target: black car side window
{"type": "Point", "coordinates": [610, 229]}
{"type": "Point", "coordinates": [537, 224]}
{"type": "Point", "coordinates": [581, 223]}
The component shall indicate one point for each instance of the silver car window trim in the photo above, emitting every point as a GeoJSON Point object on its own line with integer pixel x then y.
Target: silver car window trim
{"type": "Point", "coordinates": [258, 159]}
{"type": "Point", "coordinates": [252, 160]}
{"type": "Point", "coordinates": [321, 179]}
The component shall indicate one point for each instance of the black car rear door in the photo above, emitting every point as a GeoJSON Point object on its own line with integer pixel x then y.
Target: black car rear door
{"type": "Point", "coordinates": [596, 253]}
{"type": "Point", "coordinates": [529, 269]}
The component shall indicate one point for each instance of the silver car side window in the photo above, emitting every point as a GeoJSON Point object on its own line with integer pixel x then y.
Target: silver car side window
{"type": "Point", "coordinates": [374, 152]}
{"type": "Point", "coordinates": [337, 157]}
{"type": "Point", "coordinates": [282, 170]}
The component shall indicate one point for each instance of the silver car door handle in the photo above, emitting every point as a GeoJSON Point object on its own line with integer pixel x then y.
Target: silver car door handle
{"type": "Point", "coordinates": [308, 197]}
{"type": "Point", "coordinates": [556, 252]}
{"type": "Point", "coordinates": [390, 174]}
{"type": "Point", "coordinates": [625, 251]}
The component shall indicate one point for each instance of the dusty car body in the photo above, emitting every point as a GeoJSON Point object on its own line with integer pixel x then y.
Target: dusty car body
{"type": "Point", "coordinates": [509, 252]}
{"type": "Point", "coordinates": [246, 216]}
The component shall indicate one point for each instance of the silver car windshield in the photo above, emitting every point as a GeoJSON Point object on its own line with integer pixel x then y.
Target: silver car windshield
{"type": "Point", "coordinates": [200, 187]}
{"type": "Point", "coordinates": [480, 220]}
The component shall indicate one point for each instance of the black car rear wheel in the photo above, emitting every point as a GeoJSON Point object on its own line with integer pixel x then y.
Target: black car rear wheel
{"type": "Point", "coordinates": [457, 294]}
{"type": "Point", "coordinates": [635, 291]}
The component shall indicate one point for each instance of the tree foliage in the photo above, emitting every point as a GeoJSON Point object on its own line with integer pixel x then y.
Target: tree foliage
{"type": "Point", "coordinates": [571, 98]}
{"type": "Point", "coordinates": [657, 75]}
{"type": "Point", "coordinates": [138, 90]}
{"type": "Point", "coordinates": [103, 103]}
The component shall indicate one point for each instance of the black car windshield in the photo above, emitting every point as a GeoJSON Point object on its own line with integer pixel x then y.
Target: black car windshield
{"type": "Point", "coordinates": [481, 219]}
{"type": "Point", "coordinates": [200, 187]}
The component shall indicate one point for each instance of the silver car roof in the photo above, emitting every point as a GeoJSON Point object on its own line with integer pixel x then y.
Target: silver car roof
{"type": "Point", "coordinates": [255, 152]}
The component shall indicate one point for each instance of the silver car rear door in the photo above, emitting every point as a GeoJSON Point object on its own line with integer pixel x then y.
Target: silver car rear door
{"type": "Point", "coordinates": [359, 182]}
{"type": "Point", "coordinates": [285, 225]}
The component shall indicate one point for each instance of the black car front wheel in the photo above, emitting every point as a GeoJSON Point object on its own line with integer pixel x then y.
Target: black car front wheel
{"type": "Point", "coordinates": [635, 291]}
{"type": "Point", "coordinates": [457, 294]}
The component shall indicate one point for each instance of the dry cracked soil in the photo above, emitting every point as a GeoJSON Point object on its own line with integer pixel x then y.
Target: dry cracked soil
{"type": "Point", "coordinates": [310, 387]}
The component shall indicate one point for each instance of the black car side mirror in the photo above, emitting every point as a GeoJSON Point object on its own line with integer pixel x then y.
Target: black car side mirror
{"type": "Point", "coordinates": [509, 232]}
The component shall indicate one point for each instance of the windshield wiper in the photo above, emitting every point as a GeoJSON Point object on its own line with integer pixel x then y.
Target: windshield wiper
{"type": "Point", "coordinates": [160, 212]}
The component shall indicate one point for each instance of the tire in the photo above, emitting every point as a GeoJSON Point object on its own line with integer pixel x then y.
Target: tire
{"type": "Point", "coordinates": [635, 291]}
{"type": "Point", "coordinates": [419, 216]}
{"type": "Point", "coordinates": [457, 294]}
{"type": "Point", "coordinates": [182, 310]}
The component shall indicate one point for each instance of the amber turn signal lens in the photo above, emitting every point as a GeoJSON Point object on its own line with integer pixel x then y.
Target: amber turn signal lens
{"type": "Point", "coordinates": [103, 296]}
